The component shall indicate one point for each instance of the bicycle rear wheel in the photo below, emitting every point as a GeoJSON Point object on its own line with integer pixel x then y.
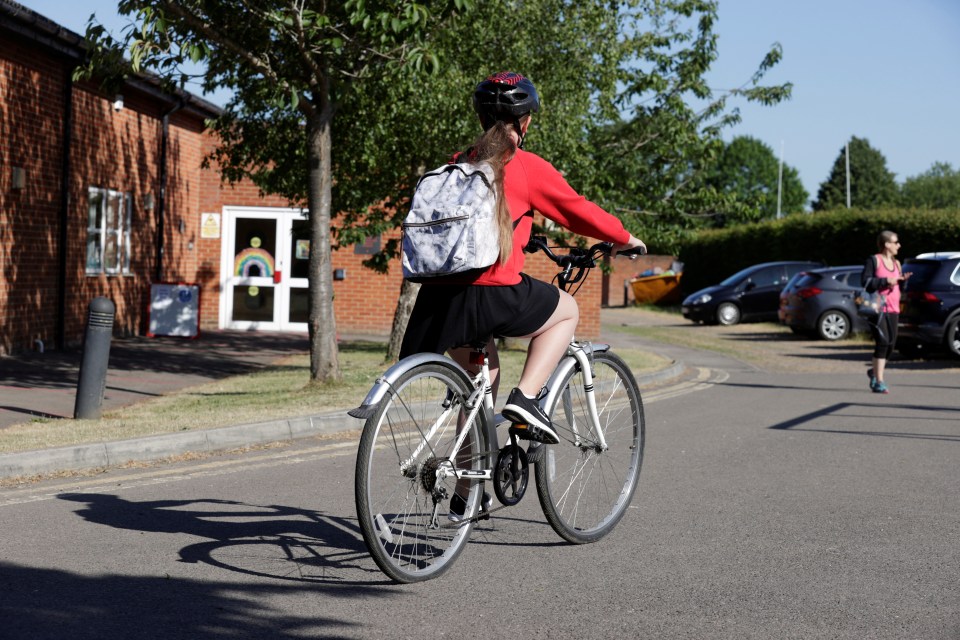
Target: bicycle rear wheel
{"type": "Point", "coordinates": [403, 503]}
{"type": "Point", "coordinates": [585, 490]}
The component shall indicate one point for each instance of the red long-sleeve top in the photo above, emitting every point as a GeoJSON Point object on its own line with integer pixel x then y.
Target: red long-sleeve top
{"type": "Point", "coordinates": [532, 183]}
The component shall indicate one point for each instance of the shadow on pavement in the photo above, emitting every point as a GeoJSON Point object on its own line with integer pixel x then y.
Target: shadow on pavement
{"type": "Point", "coordinates": [42, 604]}
{"type": "Point", "coordinates": [272, 541]}
{"type": "Point", "coordinates": [809, 421]}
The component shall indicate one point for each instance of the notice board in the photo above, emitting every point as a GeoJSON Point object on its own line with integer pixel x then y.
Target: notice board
{"type": "Point", "coordinates": [174, 310]}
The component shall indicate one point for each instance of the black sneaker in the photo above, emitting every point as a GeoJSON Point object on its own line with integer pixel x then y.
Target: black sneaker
{"type": "Point", "coordinates": [458, 505]}
{"type": "Point", "coordinates": [529, 420]}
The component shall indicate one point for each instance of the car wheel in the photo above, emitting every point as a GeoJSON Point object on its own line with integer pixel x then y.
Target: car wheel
{"type": "Point", "coordinates": [951, 337]}
{"type": "Point", "coordinates": [728, 313]}
{"type": "Point", "coordinates": [833, 325]}
{"type": "Point", "coordinates": [909, 349]}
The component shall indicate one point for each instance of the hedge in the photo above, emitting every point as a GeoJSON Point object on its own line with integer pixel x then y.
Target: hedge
{"type": "Point", "coordinates": [842, 237]}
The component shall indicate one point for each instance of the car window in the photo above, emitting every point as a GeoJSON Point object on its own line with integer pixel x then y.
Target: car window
{"type": "Point", "coordinates": [793, 268]}
{"type": "Point", "coordinates": [955, 276]}
{"type": "Point", "coordinates": [769, 276]}
{"type": "Point", "coordinates": [849, 278]}
{"type": "Point", "coordinates": [804, 280]}
{"type": "Point", "coordinates": [921, 273]}
{"type": "Point", "coordinates": [737, 277]}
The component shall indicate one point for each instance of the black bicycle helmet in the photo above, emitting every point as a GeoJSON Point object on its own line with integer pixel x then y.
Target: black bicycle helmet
{"type": "Point", "coordinates": [505, 96]}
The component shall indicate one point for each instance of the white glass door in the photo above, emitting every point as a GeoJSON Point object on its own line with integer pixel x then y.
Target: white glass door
{"type": "Point", "coordinates": [294, 283]}
{"type": "Point", "coordinates": [264, 266]}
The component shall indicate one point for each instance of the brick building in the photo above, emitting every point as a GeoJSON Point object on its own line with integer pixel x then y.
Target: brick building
{"type": "Point", "coordinates": [104, 195]}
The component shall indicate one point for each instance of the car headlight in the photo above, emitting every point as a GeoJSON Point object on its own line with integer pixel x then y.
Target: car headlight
{"type": "Point", "coordinates": [703, 298]}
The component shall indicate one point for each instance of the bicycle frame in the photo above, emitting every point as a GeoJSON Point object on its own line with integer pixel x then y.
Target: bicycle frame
{"type": "Point", "coordinates": [481, 385]}
{"type": "Point", "coordinates": [421, 422]}
{"type": "Point", "coordinates": [578, 355]}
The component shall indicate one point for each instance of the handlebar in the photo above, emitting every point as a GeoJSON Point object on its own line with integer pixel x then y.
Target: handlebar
{"type": "Point", "coordinates": [577, 258]}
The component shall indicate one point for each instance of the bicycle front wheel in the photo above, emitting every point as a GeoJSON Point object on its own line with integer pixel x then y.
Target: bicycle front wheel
{"type": "Point", "coordinates": [403, 488]}
{"type": "Point", "coordinates": [584, 488]}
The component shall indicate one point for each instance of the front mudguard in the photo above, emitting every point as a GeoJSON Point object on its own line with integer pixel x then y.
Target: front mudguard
{"type": "Point", "coordinates": [568, 363]}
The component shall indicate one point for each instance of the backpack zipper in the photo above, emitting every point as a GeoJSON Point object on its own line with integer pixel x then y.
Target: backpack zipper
{"type": "Point", "coordinates": [407, 225]}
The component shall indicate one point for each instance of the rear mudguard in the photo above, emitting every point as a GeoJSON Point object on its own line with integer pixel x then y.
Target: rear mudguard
{"type": "Point", "coordinates": [383, 384]}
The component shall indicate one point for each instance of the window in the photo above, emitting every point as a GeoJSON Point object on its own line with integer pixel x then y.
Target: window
{"type": "Point", "coordinates": [108, 231]}
{"type": "Point", "coordinates": [768, 276]}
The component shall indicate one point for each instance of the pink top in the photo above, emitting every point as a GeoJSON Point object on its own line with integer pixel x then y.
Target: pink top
{"type": "Point", "coordinates": [892, 293]}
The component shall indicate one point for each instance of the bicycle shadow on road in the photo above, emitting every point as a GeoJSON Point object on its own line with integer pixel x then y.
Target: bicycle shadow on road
{"type": "Point", "coordinates": [270, 541]}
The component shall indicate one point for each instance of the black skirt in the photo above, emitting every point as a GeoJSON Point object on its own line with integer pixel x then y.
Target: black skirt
{"type": "Point", "coordinates": [453, 315]}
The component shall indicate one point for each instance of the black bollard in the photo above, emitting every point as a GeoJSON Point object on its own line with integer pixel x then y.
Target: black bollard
{"type": "Point", "coordinates": [96, 355]}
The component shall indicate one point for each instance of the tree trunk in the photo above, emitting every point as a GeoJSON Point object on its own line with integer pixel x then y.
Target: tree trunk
{"type": "Point", "coordinates": [322, 323]}
{"type": "Point", "coordinates": [408, 296]}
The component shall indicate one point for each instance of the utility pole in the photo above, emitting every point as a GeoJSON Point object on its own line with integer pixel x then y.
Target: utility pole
{"type": "Point", "coordinates": [848, 175]}
{"type": "Point", "coordinates": [780, 182]}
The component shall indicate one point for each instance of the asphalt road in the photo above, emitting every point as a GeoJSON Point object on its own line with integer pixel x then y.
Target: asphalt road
{"type": "Point", "coordinates": [772, 504]}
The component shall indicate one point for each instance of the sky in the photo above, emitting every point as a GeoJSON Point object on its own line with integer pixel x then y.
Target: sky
{"type": "Point", "coordinates": [884, 70]}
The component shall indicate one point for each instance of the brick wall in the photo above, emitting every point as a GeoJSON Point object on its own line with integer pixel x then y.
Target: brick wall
{"type": "Point", "coordinates": [117, 150]}
{"type": "Point", "coordinates": [31, 108]}
{"type": "Point", "coordinates": [109, 149]}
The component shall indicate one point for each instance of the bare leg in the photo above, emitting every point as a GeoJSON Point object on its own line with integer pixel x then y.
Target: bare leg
{"type": "Point", "coordinates": [548, 344]}
{"type": "Point", "coordinates": [461, 356]}
{"type": "Point", "coordinates": [879, 364]}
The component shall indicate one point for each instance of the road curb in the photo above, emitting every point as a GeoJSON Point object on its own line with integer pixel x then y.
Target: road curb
{"type": "Point", "coordinates": [119, 452]}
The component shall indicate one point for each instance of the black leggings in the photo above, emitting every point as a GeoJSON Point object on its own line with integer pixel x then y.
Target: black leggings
{"type": "Point", "coordinates": [885, 335]}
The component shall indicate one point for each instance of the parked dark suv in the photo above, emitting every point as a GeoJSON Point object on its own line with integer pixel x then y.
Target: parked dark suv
{"type": "Point", "coordinates": [930, 305]}
{"type": "Point", "coordinates": [750, 294]}
{"type": "Point", "coordinates": [820, 302]}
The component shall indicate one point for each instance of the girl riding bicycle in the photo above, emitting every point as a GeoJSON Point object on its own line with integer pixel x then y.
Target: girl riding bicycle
{"type": "Point", "coordinates": [454, 312]}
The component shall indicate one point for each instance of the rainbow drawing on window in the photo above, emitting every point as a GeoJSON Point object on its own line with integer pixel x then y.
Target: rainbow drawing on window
{"type": "Point", "coordinates": [253, 263]}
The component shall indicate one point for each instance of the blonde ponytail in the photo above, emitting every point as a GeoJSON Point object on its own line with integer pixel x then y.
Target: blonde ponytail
{"type": "Point", "coordinates": [496, 147]}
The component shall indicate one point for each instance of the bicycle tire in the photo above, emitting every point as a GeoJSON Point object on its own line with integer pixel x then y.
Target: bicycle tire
{"type": "Point", "coordinates": [403, 510]}
{"type": "Point", "coordinates": [584, 492]}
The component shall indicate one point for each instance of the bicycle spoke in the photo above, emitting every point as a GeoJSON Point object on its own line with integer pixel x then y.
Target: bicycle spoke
{"type": "Point", "coordinates": [585, 489]}
{"type": "Point", "coordinates": [404, 478]}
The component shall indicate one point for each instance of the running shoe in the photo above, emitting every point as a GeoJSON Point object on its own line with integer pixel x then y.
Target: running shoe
{"type": "Point", "coordinates": [529, 420]}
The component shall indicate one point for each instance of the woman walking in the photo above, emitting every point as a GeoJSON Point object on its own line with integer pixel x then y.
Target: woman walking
{"type": "Point", "coordinates": [882, 273]}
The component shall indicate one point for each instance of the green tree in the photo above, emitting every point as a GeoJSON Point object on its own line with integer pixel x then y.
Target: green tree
{"type": "Point", "coordinates": [396, 131]}
{"type": "Point", "coordinates": [936, 188]}
{"type": "Point", "coordinates": [651, 163]}
{"type": "Point", "coordinates": [290, 64]}
{"type": "Point", "coordinates": [872, 185]}
{"type": "Point", "coordinates": [749, 170]}
{"type": "Point", "coordinates": [590, 60]}
{"type": "Point", "coordinates": [581, 57]}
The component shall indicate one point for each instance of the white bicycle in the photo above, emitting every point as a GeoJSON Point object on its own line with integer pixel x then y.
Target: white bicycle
{"type": "Point", "coordinates": [431, 432]}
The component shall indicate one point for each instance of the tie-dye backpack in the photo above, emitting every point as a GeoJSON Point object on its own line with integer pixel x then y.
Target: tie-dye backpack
{"type": "Point", "coordinates": [451, 226]}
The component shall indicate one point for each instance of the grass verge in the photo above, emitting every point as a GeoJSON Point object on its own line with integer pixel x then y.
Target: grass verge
{"type": "Point", "coordinates": [276, 392]}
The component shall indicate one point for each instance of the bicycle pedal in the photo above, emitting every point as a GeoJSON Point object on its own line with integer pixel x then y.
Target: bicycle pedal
{"type": "Point", "coordinates": [535, 452]}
